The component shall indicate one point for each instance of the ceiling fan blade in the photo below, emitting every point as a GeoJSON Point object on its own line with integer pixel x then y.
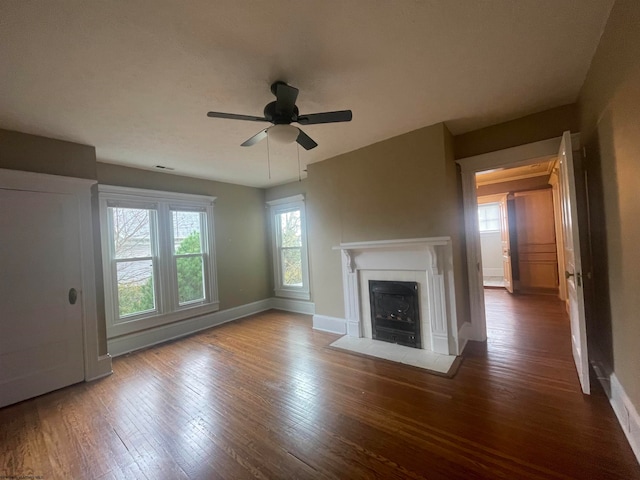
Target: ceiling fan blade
{"type": "Point", "coordinates": [325, 117]}
{"type": "Point", "coordinates": [286, 96]}
{"type": "Point", "coordinates": [305, 141]}
{"type": "Point", "coordinates": [261, 135]}
{"type": "Point", "coordinates": [234, 116]}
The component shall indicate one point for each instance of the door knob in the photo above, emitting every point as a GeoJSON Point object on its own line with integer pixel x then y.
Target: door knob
{"type": "Point", "coordinates": [567, 274]}
{"type": "Point", "coordinates": [73, 296]}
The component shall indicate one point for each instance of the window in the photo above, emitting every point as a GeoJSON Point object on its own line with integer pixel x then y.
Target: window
{"type": "Point", "coordinates": [133, 259]}
{"type": "Point", "coordinates": [290, 264]}
{"type": "Point", "coordinates": [489, 217]}
{"type": "Point", "coordinates": [188, 255]}
{"type": "Point", "coordinates": [158, 257]}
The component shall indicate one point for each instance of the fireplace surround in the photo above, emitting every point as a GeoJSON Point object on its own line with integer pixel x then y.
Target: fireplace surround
{"type": "Point", "coordinates": [426, 261]}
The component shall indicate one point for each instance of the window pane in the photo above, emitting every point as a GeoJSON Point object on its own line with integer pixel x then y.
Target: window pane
{"type": "Point", "coordinates": [190, 279]}
{"type": "Point", "coordinates": [290, 229]}
{"type": "Point", "coordinates": [489, 217]}
{"type": "Point", "coordinates": [135, 287]}
{"type": "Point", "coordinates": [186, 232]}
{"type": "Point", "coordinates": [292, 267]}
{"type": "Point", "coordinates": [131, 232]}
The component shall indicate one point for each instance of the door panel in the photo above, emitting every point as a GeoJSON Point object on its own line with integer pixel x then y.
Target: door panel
{"type": "Point", "coordinates": [537, 256]}
{"type": "Point", "coordinates": [506, 245]}
{"type": "Point", "coordinates": [573, 273]}
{"type": "Point", "coordinates": [41, 345]}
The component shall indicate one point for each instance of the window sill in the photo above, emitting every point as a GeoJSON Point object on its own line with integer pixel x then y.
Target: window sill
{"type": "Point", "coordinates": [138, 324]}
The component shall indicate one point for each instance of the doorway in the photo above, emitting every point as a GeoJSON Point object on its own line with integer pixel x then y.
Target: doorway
{"type": "Point", "coordinates": [521, 156]}
{"type": "Point", "coordinates": [520, 243]}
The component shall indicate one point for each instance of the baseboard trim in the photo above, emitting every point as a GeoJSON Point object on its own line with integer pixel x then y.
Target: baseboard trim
{"type": "Point", "coordinates": [330, 324]}
{"type": "Point", "coordinates": [464, 335]}
{"type": "Point", "coordinates": [626, 413]}
{"type": "Point", "coordinates": [147, 338]}
{"type": "Point", "coordinates": [621, 404]}
{"type": "Point", "coordinates": [296, 306]}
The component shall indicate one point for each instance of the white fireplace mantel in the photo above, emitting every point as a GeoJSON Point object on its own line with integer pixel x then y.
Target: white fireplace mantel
{"type": "Point", "coordinates": [429, 260]}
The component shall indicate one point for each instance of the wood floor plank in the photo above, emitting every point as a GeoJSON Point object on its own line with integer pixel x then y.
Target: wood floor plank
{"type": "Point", "coordinates": [264, 397]}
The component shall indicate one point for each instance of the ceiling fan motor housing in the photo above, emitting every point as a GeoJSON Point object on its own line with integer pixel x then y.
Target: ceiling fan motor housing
{"type": "Point", "coordinates": [271, 114]}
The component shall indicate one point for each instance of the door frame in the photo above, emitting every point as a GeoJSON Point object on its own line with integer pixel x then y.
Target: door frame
{"type": "Point", "coordinates": [95, 364]}
{"type": "Point", "coordinates": [510, 157]}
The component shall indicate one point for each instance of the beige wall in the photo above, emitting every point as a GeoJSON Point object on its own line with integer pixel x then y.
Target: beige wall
{"type": "Point", "coordinates": [240, 225]}
{"type": "Point", "coordinates": [532, 128]}
{"type": "Point", "coordinates": [286, 190]}
{"type": "Point", "coordinates": [610, 123]}
{"type": "Point", "coordinates": [403, 187]}
{"type": "Point", "coordinates": [31, 153]}
{"type": "Point", "coordinates": [454, 206]}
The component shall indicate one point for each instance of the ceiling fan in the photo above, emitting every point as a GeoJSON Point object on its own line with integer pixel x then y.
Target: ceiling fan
{"type": "Point", "coordinates": [281, 114]}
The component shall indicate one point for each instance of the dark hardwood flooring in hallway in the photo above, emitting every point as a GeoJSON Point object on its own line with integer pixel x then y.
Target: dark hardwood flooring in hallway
{"type": "Point", "coordinates": [263, 397]}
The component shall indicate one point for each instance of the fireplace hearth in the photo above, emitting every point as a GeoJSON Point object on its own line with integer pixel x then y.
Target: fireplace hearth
{"type": "Point", "coordinates": [395, 313]}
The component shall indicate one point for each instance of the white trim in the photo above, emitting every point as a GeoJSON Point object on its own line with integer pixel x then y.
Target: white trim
{"type": "Point", "coordinates": [625, 411]}
{"type": "Point", "coordinates": [431, 259]}
{"type": "Point", "coordinates": [509, 157]}
{"type": "Point", "coordinates": [95, 365]}
{"type": "Point", "coordinates": [282, 201]}
{"type": "Point", "coordinates": [330, 324]}
{"type": "Point", "coordinates": [114, 191]}
{"type": "Point", "coordinates": [403, 242]}
{"type": "Point", "coordinates": [515, 156]}
{"type": "Point", "coordinates": [136, 341]}
{"type": "Point", "coordinates": [168, 310]}
{"type": "Point", "coordinates": [277, 207]}
{"type": "Point", "coordinates": [296, 306]}
{"type": "Point", "coordinates": [43, 182]}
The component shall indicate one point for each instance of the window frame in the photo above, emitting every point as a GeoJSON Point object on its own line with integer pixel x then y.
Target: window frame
{"type": "Point", "coordinates": [168, 308]}
{"type": "Point", "coordinates": [277, 207]}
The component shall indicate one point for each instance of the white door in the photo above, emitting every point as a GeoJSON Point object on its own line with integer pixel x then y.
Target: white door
{"type": "Point", "coordinates": [506, 245]}
{"type": "Point", "coordinates": [573, 267]}
{"type": "Point", "coordinates": [41, 343]}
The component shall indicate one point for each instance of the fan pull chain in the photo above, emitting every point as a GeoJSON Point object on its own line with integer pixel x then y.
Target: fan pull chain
{"type": "Point", "coordinates": [268, 158]}
{"type": "Point", "coordinates": [299, 169]}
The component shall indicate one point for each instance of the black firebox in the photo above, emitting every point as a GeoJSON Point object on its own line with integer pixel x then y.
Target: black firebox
{"type": "Point", "coordinates": [395, 314]}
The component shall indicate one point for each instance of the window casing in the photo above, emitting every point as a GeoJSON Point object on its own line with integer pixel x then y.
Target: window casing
{"type": "Point", "coordinates": [158, 256]}
{"type": "Point", "coordinates": [289, 240]}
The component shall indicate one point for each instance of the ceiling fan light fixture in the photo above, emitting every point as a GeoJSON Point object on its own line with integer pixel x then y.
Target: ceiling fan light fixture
{"type": "Point", "coordinates": [283, 133]}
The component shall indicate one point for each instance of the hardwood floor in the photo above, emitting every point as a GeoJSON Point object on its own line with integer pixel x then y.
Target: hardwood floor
{"type": "Point", "coordinates": [265, 398]}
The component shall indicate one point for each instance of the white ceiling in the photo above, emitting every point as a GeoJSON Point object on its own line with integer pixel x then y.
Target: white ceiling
{"type": "Point", "coordinates": [135, 78]}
